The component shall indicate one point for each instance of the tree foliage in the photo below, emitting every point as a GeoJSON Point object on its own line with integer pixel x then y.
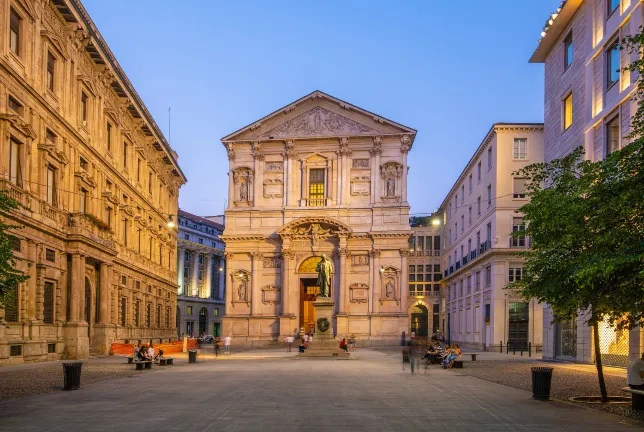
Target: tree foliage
{"type": "Point", "coordinates": [10, 277]}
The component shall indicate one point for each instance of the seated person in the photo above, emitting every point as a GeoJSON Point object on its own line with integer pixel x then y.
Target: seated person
{"type": "Point", "coordinates": [158, 356]}
{"type": "Point", "coordinates": [143, 354]}
{"type": "Point", "coordinates": [343, 344]}
{"type": "Point", "coordinates": [450, 356]}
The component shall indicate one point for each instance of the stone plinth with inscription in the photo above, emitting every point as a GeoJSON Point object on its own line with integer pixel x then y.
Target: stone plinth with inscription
{"type": "Point", "coordinates": [324, 344]}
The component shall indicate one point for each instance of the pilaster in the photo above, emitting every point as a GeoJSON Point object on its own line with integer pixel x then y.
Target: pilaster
{"type": "Point", "coordinates": [256, 294]}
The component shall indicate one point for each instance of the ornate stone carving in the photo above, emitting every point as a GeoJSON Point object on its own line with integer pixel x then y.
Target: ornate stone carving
{"type": "Point", "coordinates": [345, 252]}
{"type": "Point", "coordinates": [360, 186]}
{"type": "Point", "coordinates": [360, 260]}
{"type": "Point", "coordinates": [242, 181]}
{"type": "Point", "coordinates": [391, 173]}
{"type": "Point", "coordinates": [240, 282]}
{"type": "Point", "coordinates": [274, 166]}
{"type": "Point", "coordinates": [256, 147]}
{"type": "Point", "coordinates": [230, 150]}
{"type": "Point", "coordinates": [487, 296]}
{"type": "Point", "coordinates": [272, 262]}
{"type": "Point", "coordinates": [404, 252]}
{"type": "Point", "coordinates": [390, 285]}
{"type": "Point", "coordinates": [344, 146]}
{"type": "Point", "coordinates": [302, 228]}
{"type": "Point", "coordinates": [54, 152]}
{"type": "Point", "coordinates": [358, 293]}
{"type": "Point", "coordinates": [360, 163]}
{"type": "Point", "coordinates": [317, 122]}
{"type": "Point", "coordinates": [273, 188]}
{"type": "Point", "coordinates": [256, 255]}
{"type": "Point", "coordinates": [375, 253]}
{"type": "Point", "coordinates": [271, 294]}
{"type": "Point", "coordinates": [288, 254]}
{"type": "Point", "coordinates": [228, 255]}
{"type": "Point", "coordinates": [405, 144]}
{"type": "Point", "coordinates": [377, 146]}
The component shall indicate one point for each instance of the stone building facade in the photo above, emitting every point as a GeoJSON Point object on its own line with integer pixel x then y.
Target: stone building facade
{"type": "Point", "coordinates": [318, 176]}
{"type": "Point", "coordinates": [588, 102]}
{"type": "Point", "coordinates": [98, 181]}
{"type": "Point", "coordinates": [424, 273]}
{"type": "Point", "coordinates": [479, 259]}
{"type": "Point", "coordinates": [201, 276]}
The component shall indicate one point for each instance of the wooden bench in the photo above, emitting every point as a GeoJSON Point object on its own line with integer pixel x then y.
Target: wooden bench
{"type": "Point", "coordinates": [473, 355]}
{"type": "Point", "coordinates": [140, 365]}
{"type": "Point", "coordinates": [638, 397]}
{"type": "Point", "coordinates": [166, 361]}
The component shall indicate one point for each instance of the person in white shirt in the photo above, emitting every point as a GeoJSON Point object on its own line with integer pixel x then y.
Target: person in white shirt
{"type": "Point", "coordinates": [635, 374]}
{"type": "Point", "coordinates": [227, 340]}
{"type": "Point", "coordinates": [289, 342]}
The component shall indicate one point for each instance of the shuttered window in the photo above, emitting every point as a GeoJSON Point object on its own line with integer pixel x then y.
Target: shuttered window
{"type": "Point", "coordinates": [519, 189]}
{"type": "Point", "coordinates": [11, 306]}
{"type": "Point", "coordinates": [48, 305]}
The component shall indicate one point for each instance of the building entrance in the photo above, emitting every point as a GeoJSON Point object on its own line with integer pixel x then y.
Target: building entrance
{"type": "Point", "coordinates": [519, 324]}
{"type": "Point", "coordinates": [309, 291]}
{"type": "Point", "coordinates": [419, 321]}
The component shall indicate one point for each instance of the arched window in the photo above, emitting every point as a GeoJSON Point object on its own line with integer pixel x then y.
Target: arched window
{"type": "Point", "coordinates": [309, 264]}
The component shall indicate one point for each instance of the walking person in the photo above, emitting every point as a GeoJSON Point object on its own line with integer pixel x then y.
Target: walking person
{"type": "Point", "coordinates": [413, 358]}
{"type": "Point", "coordinates": [217, 346]}
{"type": "Point", "coordinates": [227, 340]}
{"type": "Point", "coordinates": [289, 342]}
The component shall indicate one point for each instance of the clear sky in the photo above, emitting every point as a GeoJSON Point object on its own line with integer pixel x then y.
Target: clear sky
{"type": "Point", "coordinates": [449, 69]}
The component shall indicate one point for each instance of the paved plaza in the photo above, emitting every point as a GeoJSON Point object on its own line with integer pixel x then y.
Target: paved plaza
{"type": "Point", "coordinates": [275, 391]}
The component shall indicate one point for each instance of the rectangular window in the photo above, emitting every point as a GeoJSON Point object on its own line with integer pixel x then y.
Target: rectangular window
{"type": "Point", "coordinates": [515, 274]}
{"type": "Point", "coordinates": [469, 215]}
{"type": "Point", "coordinates": [11, 306]}
{"type": "Point", "coordinates": [518, 225]}
{"type": "Point", "coordinates": [148, 314]}
{"type": "Point", "coordinates": [612, 135]}
{"type": "Point", "coordinates": [84, 108]}
{"type": "Point", "coordinates": [108, 137]}
{"type": "Point", "coordinates": [15, 106]}
{"type": "Point", "coordinates": [520, 148]}
{"type": "Point", "coordinates": [489, 158]}
{"type": "Point", "coordinates": [316, 187]}
{"type": "Point", "coordinates": [612, 64]}
{"type": "Point", "coordinates": [125, 230]}
{"type": "Point", "coordinates": [216, 311]}
{"type": "Point", "coordinates": [137, 309]}
{"type": "Point", "coordinates": [462, 193]}
{"type": "Point", "coordinates": [167, 316]}
{"type": "Point", "coordinates": [48, 303]}
{"type": "Point", "coordinates": [478, 206]}
{"type": "Point", "coordinates": [200, 241]}
{"type": "Point", "coordinates": [519, 188]}
{"type": "Point", "coordinates": [477, 281]}
{"type": "Point", "coordinates": [150, 183]}
{"type": "Point", "coordinates": [50, 255]}
{"type": "Point", "coordinates": [82, 197]}
{"type": "Point", "coordinates": [489, 195]}
{"type": "Point", "coordinates": [612, 6]}
{"type": "Point", "coordinates": [108, 216]}
{"type": "Point", "coordinates": [15, 158]}
{"type": "Point", "coordinates": [470, 184]}
{"type": "Point", "coordinates": [567, 112]}
{"type": "Point", "coordinates": [437, 243]}
{"type": "Point", "coordinates": [488, 233]}
{"type": "Point", "coordinates": [123, 311]}
{"type": "Point", "coordinates": [14, 31]}
{"type": "Point", "coordinates": [568, 51]}
{"type": "Point", "coordinates": [138, 170]}
{"type": "Point", "coordinates": [52, 198]}
{"type": "Point", "coordinates": [462, 223]}
{"type": "Point", "coordinates": [189, 310]}
{"type": "Point", "coordinates": [159, 316]}
{"type": "Point", "coordinates": [125, 155]}
{"type": "Point", "coordinates": [51, 69]}
{"type": "Point", "coordinates": [138, 240]}
{"type": "Point", "coordinates": [488, 276]}
{"type": "Point", "coordinates": [478, 172]}
{"type": "Point", "coordinates": [83, 164]}
{"type": "Point", "coordinates": [420, 242]}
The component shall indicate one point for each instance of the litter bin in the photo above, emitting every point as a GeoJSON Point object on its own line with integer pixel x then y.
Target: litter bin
{"type": "Point", "coordinates": [71, 375]}
{"type": "Point", "coordinates": [192, 356]}
{"type": "Point", "coordinates": [541, 380]}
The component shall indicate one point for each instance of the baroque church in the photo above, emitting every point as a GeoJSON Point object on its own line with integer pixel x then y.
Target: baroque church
{"type": "Point", "coordinates": [317, 177]}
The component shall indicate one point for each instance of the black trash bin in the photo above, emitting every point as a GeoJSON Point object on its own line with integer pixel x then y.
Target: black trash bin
{"type": "Point", "coordinates": [541, 381]}
{"type": "Point", "coordinates": [71, 375]}
{"type": "Point", "coordinates": [192, 356]}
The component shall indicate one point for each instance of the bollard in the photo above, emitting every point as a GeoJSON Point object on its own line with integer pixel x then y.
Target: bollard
{"type": "Point", "coordinates": [514, 349]}
{"type": "Point", "coordinates": [501, 347]}
{"type": "Point", "coordinates": [507, 348]}
{"type": "Point", "coordinates": [521, 350]}
{"type": "Point", "coordinates": [529, 349]}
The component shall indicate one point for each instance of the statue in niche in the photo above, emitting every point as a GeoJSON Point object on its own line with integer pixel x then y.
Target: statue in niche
{"type": "Point", "coordinates": [241, 290]}
{"type": "Point", "coordinates": [389, 289]}
{"type": "Point", "coordinates": [243, 191]}
{"type": "Point", "coordinates": [391, 187]}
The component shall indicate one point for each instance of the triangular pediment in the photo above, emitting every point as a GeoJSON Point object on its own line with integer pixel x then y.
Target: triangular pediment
{"type": "Point", "coordinates": [317, 115]}
{"type": "Point", "coordinates": [318, 122]}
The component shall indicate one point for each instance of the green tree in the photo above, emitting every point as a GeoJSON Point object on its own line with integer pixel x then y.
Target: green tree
{"type": "Point", "coordinates": [9, 276]}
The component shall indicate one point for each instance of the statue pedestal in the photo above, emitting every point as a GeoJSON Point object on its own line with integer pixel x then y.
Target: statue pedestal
{"type": "Point", "coordinates": [324, 344]}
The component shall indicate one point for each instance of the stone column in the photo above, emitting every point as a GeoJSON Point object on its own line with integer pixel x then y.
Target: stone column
{"type": "Point", "coordinates": [180, 280]}
{"type": "Point", "coordinates": [405, 145]}
{"type": "Point", "coordinates": [342, 292]}
{"type": "Point", "coordinates": [305, 185]}
{"type": "Point", "coordinates": [104, 294]}
{"type": "Point", "coordinates": [209, 276]}
{"type": "Point", "coordinates": [256, 294]}
{"type": "Point", "coordinates": [375, 168]}
{"type": "Point", "coordinates": [31, 289]}
{"type": "Point", "coordinates": [221, 271]}
{"type": "Point", "coordinates": [40, 291]}
{"type": "Point", "coordinates": [285, 180]}
{"type": "Point", "coordinates": [231, 188]}
{"type": "Point", "coordinates": [195, 274]}
{"type": "Point", "coordinates": [285, 294]}
{"type": "Point", "coordinates": [61, 305]}
{"type": "Point", "coordinates": [77, 281]}
{"type": "Point", "coordinates": [375, 287]}
{"type": "Point", "coordinates": [404, 281]}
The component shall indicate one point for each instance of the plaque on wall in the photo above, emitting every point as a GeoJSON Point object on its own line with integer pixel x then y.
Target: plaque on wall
{"type": "Point", "coordinates": [359, 260]}
{"type": "Point", "coordinates": [273, 166]}
{"type": "Point", "coordinates": [273, 188]}
{"type": "Point", "coordinates": [360, 163]}
{"type": "Point", "coordinates": [361, 186]}
{"type": "Point", "coordinates": [359, 293]}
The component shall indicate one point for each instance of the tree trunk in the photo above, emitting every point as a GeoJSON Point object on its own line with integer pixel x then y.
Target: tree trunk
{"type": "Point", "coordinates": [598, 362]}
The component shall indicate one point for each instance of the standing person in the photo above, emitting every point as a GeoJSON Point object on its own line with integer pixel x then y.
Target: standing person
{"type": "Point", "coordinates": [413, 358]}
{"type": "Point", "coordinates": [217, 346]}
{"type": "Point", "coordinates": [635, 374]}
{"type": "Point", "coordinates": [136, 351]}
{"type": "Point", "coordinates": [151, 351]}
{"type": "Point", "coordinates": [227, 340]}
{"type": "Point", "coordinates": [306, 339]}
{"type": "Point", "coordinates": [289, 342]}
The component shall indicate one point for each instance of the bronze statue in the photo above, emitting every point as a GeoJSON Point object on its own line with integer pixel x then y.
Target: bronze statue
{"type": "Point", "coordinates": [325, 270]}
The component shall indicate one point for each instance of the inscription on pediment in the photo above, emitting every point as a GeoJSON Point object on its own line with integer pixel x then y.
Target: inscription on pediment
{"type": "Point", "coordinates": [318, 122]}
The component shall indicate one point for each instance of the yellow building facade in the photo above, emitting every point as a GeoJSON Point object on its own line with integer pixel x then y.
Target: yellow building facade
{"type": "Point", "coordinates": [98, 182]}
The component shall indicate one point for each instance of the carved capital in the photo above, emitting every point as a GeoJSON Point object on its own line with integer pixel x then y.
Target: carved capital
{"type": "Point", "coordinates": [345, 252]}
{"type": "Point", "coordinates": [288, 254]}
{"type": "Point", "coordinates": [404, 252]}
{"type": "Point", "coordinates": [229, 255]}
{"type": "Point", "coordinates": [256, 255]}
{"type": "Point", "coordinates": [405, 143]}
{"type": "Point", "coordinates": [377, 146]}
{"type": "Point", "coordinates": [375, 253]}
{"type": "Point", "coordinates": [230, 150]}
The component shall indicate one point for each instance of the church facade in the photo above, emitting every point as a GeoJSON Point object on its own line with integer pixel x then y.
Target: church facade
{"type": "Point", "coordinates": [317, 177]}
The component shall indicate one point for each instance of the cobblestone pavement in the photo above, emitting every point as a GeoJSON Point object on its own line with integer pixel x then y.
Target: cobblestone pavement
{"type": "Point", "coordinates": [284, 393]}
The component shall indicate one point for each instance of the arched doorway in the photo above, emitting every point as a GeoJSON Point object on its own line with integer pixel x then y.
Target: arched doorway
{"type": "Point", "coordinates": [309, 291]}
{"type": "Point", "coordinates": [419, 320]}
{"type": "Point", "coordinates": [203, 321]}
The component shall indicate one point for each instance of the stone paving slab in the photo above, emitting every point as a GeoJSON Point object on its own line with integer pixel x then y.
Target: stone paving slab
{"type": "Point", "coordinates": [372, 394]}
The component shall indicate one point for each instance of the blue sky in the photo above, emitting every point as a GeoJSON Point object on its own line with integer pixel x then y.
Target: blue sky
{"type": "Point", "coordinates": [449, 72]}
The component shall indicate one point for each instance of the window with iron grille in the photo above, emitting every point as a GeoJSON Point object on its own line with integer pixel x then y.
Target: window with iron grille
{"type": "Point", "coordinates": [167, 316]}
{"type": "Point", "coordinates": [51, 348]}
{"type": "Point", "coordinates": [148, 315]}
{"type": "Point", "coordinates": [137, 309]}
{"type": "Point", "coordinates": [123, 311]}
{"type": "Point", "coordinates": [48, 303]}
{"type": "Point", "coordinates": [11, 306]}
{"type": "Point", "coordinates": [15, 350]}
{"type": "Point", "coordinates": [50, 255]}
{"type": "Point", "coordinates": [15, 243]}
{"type": "Point", "coordinates": [159, 316]}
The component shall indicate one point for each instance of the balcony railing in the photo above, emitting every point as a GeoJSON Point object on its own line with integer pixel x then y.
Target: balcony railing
{"type": "Point", "coordinates": [521, 242]}
{"type": "Point", "coordinates": [483, 247]}
{"type": "Point", "coordinates": [80, 225]}
{"type": "Point", "coordinates": [424, 253]}
{"type": "Point", "coordinates": [316, 202]}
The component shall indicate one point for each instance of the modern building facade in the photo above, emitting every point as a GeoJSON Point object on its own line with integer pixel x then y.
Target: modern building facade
{"type": "Point", "coordinates": [200, 271]}
{"type": "Point", "coordinates": [588, 102]}
{"type": "Point", "coordinates": [98, 181]}
{"type": "Point", "coordinates": [317, 177]}
{"type": "Point", "coordinates": [424, 273]}
{"type": "Point", "coordinates": [479, 258]}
